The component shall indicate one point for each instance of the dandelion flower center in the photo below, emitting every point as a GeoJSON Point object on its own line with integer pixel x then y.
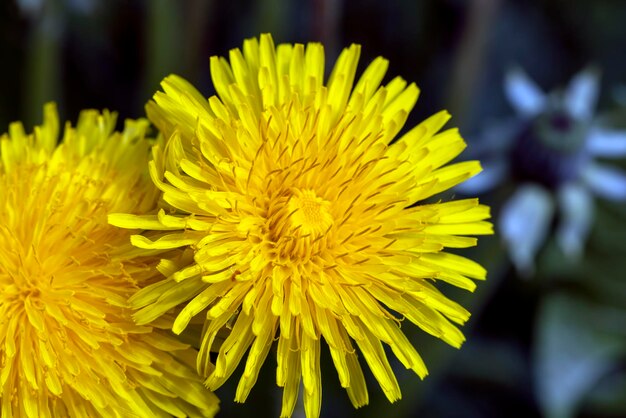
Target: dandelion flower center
{"type": "Point", "coordinates": [297, 221]}
{"type": "Point", "coordinates": [310, 213]}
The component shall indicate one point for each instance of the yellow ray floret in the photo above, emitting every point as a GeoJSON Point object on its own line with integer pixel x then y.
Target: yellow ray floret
{"type": "Point", "coordinates": [299, 208]}
{"type": "Point", "coordinates": [68, 344]}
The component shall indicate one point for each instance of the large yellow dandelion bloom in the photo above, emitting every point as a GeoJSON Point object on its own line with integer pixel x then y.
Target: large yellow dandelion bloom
{"type": "Point", "coordinates": [68, 344]}
{"type": "Point", "coordinates": [301, 214]}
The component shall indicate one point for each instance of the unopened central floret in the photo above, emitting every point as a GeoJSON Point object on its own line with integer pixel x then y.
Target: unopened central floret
{"type": "Point", "coordinates": [298, 222]}
{"type": "Point", "coordinates": [310, 213]}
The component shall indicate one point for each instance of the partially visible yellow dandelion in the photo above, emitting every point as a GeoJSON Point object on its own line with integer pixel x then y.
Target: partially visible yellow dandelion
{"type": "Point", "coordinates": [68, 344]}
{"type": "Point", "coordinates": [301, 216]}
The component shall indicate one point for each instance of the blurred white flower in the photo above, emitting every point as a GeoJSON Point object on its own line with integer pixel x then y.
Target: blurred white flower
{"type": "Point", "coordinates": [34, 8]}
{"type": "Point", "coordinates": [550, 148]}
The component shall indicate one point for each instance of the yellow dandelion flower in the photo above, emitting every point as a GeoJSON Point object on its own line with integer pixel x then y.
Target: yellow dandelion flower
{"type": "Point", "coordinates": [299, 206]}
{"type": "Point", "coordinates": [68, 344]}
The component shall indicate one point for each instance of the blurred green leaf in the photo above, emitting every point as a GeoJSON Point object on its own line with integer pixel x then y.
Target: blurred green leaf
{"type": "Point", "coordinates": [572, 352]}
{"type": "Point", "coordinates": [608, 399]}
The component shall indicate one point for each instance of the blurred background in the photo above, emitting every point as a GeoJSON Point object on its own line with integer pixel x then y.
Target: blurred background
{"type": "Point", "coordinates": [545, 342]}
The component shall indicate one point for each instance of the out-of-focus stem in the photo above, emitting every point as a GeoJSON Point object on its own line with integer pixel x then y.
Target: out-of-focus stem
{"type": "Point", "coordinates": [325, 24]}
{"type": "Point", "coordinates": [43, 80]}
{"type": "Point", "coordinates": [197, 18]}
{"type": "Point", "coordinates": [470, 57]}
{"type": "Point", "coordinates": [273, 17]}
{"type": "Point", "coordinates": [164, 43]}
